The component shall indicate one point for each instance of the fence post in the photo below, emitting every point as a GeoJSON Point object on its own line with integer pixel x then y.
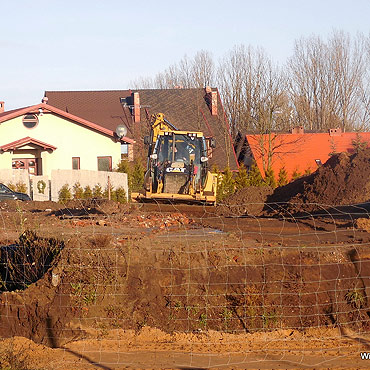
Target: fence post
{"type": "Point", "coordinates": [108, 187]}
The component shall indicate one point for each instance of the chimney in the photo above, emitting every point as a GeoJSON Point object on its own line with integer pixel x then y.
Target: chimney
{"type": "Point", "coordinates": [2, 109]}
{"type": "Point", "coordinates": [335, 131]}
{"type": "Point", "coordinates": [211, 99]}
{"type": "Point", "coordinates": [136, 110]}
{"type": "Point", "coordinates": [45, 100]}
{"type": "Point", "coordinates": [297, 130]}
{"type": "Point", "coordinates": [214, 103]}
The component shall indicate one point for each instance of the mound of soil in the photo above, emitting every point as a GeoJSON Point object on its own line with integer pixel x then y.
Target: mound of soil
{"type": "Point", "coordinates": [247, 201]}
{"type": "Point", "coordinates": [343, 180]}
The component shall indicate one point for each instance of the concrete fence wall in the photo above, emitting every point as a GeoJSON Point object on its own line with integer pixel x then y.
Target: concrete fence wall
{"type": "Point", "coordinates": [85, 178]}
{"type": "Point", "coordinates": [15, 177]}
{"type": "Point", "coordinates": [43, 188]}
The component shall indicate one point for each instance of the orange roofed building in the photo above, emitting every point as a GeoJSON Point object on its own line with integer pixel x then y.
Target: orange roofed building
{"type": "Point", "coordinates": [298, 151]}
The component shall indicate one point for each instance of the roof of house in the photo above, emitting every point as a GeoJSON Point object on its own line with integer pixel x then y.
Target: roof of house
{"type": "Point", "coordinates": [301, 152]}
{"type": "Point", "coordinates": [26, 141]}
{"type": "Point", "coordinates": [42, 107]}
{"type": "Point", "coordinates": [186, 109]}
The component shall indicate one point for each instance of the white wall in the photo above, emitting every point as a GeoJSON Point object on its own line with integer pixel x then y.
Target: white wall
{"type": "Point", "coordinates": [61, 177]}
{"type": "Point", "coordinates": [85, 177]}
{"type": "Point", "coordinates": [15, 176]}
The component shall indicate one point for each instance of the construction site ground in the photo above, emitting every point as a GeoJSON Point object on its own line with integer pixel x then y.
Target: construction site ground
{"type": "Point", "coordinates": [178, 286]}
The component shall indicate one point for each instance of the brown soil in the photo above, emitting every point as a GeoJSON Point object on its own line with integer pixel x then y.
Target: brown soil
{"type": "Point", "coordinates": [342, 180]}
{"type": "Point", "coordinates": [247, 201]}
{"type": "Point", "coordinates": [214, 289]}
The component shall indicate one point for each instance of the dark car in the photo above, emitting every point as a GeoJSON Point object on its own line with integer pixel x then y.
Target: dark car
{"type": "Point", "coordinates": [6, 194]}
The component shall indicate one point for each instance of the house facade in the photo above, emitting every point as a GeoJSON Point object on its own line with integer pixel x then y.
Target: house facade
{"type": "Point", "coordinates": [42, 138]}
{"type": "Point", "coordinates": [298, 152]}
{"type": "Point", "coordinates": [194, 109]}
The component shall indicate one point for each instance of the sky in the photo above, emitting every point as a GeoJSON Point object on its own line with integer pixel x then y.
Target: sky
{"type": "Point", "coordinates": [107, 44]}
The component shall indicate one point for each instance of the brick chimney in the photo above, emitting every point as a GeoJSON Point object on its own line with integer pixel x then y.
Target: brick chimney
{"type": "Point", "coordinates": [211, 100]}
{"type": "Point", "coordinates": [136, 108]}
{"type": "Point", "coordinates": [335, 131]}
{"type": "Point", "coordinates": [2, 109]}
{"type": "Point", "coordinates": [297, 130]}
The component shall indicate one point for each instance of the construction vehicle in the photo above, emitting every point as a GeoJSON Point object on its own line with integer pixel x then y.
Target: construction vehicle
{"type": "Point", "coordinates": [177, 166]}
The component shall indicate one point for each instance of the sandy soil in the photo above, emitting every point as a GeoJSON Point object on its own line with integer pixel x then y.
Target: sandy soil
{"type": "Point", "coordinates": [154, 349]}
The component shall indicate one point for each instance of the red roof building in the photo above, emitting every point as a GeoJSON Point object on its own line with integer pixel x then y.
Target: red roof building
{"type": "Point", "coordinates": [41, 138]}
{"type": "Point", "coordinates": [299, 152]}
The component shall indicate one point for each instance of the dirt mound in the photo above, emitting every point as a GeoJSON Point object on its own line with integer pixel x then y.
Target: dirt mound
{"type": "Point", "coordinates": [247, 201]}
{"type": "Point", "coordinates": [344, 179]}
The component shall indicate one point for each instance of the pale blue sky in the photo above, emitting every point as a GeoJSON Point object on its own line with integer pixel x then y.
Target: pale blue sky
{"type": "Point", "coordinates": [99, 45]}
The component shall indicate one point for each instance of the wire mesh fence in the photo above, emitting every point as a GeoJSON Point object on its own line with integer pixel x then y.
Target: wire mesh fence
{"type": "Point", "coordinates": [98, 284]}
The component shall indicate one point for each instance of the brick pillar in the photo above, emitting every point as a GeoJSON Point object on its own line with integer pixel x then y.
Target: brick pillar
{"type": "Point", "coordinates": [130, 152]}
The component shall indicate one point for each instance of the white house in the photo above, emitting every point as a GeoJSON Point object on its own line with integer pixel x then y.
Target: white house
{"type": "Point", "coordinates": [42, 138]}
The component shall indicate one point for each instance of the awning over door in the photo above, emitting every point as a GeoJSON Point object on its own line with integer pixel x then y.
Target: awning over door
{"type": "Point", "coordinates": [21, 143]}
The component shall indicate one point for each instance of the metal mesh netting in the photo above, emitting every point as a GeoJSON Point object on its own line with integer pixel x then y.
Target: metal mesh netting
{"type": "Point", "coordinates": [100, 284]}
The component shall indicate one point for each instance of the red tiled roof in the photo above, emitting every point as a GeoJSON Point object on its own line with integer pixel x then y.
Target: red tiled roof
{"type": "Point", "coordinates": [299, 152]}
{"type": "Point", "coordinates": [9, 112]}
{"type": "Point", "coordinates": [8, 115]}
{"type": "Point", "coordinates": [25, 141]}
{"type": "Point", "coordinates": [101, 107]}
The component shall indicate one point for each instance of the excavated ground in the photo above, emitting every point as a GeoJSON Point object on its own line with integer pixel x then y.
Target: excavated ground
{"type": "Point", "coordinates": [184, 286]}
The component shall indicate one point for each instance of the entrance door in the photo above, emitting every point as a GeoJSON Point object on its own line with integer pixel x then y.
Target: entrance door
{"type": "Point", "coordinates": [29, 164]}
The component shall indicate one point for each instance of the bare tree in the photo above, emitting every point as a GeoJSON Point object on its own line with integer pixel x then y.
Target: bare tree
{"type": "Point", "coordinates": [253, 91]}
{"type": "Point", "coordinates": [327, 81]}
{"type": "Point", "coordinates": [202, 69]}
{"type": "Point", "coordinates": [187, 73]}
{"type": "Point", "coordinates": [234, 79]}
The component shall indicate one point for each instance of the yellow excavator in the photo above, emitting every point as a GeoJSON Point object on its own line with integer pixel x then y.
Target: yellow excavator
{"type": "Point", "coordinates": [177, 167]}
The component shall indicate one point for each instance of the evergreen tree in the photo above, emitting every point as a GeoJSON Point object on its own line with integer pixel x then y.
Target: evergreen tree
{"type": "Point", "coordinates": [254, 176]}
{"type": "Point", "coordinates": [241, 179]}
{"type": "Point", "coordinates": [137, 177]}
{"type": "Point", "coordinates": [78, 191]}
{"type": "Point", "coordinates": [64, 194]}
{"type": "Point", "coordinates": [120, 195]}
{"type": "Point", "coordinates": [308, 171]}
{"type": "Point", "coordinates": [87, 192]}
{"type": "Point", "coordinates": [270, 178]}
{"type": "Point", "coordinates": [282, 177]}
{"type": "Point", "coordinates": [123, 166]}
{"type": "Point", "coordinates": [359, 144]}
{"type": "Point", "coordinates": [296, 174]}
{"type": "Point", "coordinates": [226, 184]}
{"type": "Point", "coordinates": [135, 174]}
{"type": "Point", "coordinates": [97, 191]}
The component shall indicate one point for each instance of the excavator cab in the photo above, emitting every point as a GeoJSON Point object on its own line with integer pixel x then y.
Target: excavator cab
{"type": "Point", "coordinates": [179, 163]}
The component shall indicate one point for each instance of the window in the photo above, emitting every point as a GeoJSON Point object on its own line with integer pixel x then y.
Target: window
{"type": "Point", "coordinates": [124, 151]}
{"type": "Point", "coordinates": [75, 163]}
{"type": "Point", "coordinates": [30, 120]}
{"type": "Point", "coordinates": [104, 163]}
{"type": "Point", "coordinates": [18, 164]}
